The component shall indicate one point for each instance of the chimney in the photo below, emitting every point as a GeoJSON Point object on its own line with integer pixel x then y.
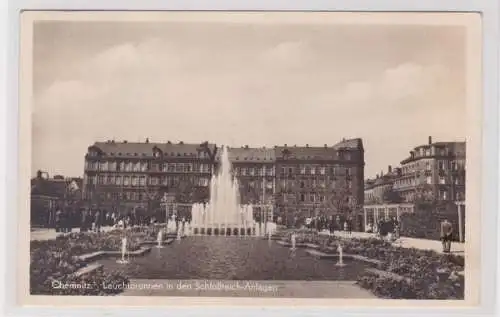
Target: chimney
{"type": "Point", "coordinates": [389, 169]}
{"type": "Point", "coordinates": [430, 140]}
{"type": "Point", "coordinates": [39, 174]}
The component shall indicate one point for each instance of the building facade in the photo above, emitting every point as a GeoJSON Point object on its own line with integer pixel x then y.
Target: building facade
{"type": "Point", "coordinates": [320, 181]}
{"type": "Point", "coordinates": [126, 177]}
{"type": "Point", "coordinates": [254, 169]}
{"type": "Point", "coordinates": [296, 182]}
{"type": "Point", "coordinates": [51, 193]}
{"type": "Point", "coordinates": [433, 172]}
{"type": "Point", "coordinates": [380, 189]}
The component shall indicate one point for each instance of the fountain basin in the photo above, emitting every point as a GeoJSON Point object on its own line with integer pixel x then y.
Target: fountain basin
{"type": "Point", "coordinates": [224, 258]}
{"type": "Point", "coordinates": [224, 231]}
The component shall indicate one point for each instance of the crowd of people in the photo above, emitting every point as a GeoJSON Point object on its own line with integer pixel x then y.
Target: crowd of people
{"type": "Point", "coordinates": [66, 219]}
{"type": "Point", "coordinates": [385, 228]}
{"type": "Point", "coordinates": [330, 223]}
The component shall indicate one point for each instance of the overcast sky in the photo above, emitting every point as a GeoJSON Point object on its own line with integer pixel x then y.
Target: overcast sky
{"type": "Point", "coordinates": [242, 83]}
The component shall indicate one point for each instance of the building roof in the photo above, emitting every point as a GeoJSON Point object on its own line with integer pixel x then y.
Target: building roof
{"type": "Point", "coordinates": [324, 152]}
{"type": "Point", "coordinates": [454, 149]}
{"type": "Point", "coordinates": [124, 148]}
{"type": "Point", "coordinates": [355, 144]}
{"type": "Point", "coordinates": [55, 187]}
{"type": "Point", "coordinates": [248, 154]}
{"type": "Point", "coordinates": [307, 152]}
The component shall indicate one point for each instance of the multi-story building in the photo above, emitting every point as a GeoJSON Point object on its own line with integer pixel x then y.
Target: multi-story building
{"type": "Point", "coordinates": [434, 171]}
{"type": "Point", "coordinates": [297, 181]}
{"type": "Point", "coordinates": [254, 169]}
{"type": "Point", "coordinates": [50, 193]}
{"type": "Point", "coordinates": [124, 176]}
{"type": "Point", "coordinates": [380, 189]}
{"type": "Point", "coordinates": [313, 181]}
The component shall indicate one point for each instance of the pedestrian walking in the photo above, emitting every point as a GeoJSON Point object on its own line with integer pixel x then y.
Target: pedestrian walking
{"type": "Point", "coordinates": [446, 235]}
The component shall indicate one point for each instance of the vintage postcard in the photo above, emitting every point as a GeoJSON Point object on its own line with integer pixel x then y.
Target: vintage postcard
{"type": "Point", "coordinates": [313, 158]}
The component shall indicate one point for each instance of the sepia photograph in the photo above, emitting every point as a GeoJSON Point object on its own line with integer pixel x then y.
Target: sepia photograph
{"type": "Point", "coordinates": [252, 155]}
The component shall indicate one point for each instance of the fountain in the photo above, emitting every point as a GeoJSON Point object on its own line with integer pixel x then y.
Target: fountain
{"type": "Point", "coordinates": [294, 241]}
{"type": "Point", "coordinates": [179, 234]}
{"type": "Point", "coordinates": [160, 238]}
{"type": "Point", "coordinates": [223, 213]}
{"type": "Point", "coordinates": [124, 251]}
{"type": "Point", "coordinates": [341, 256]}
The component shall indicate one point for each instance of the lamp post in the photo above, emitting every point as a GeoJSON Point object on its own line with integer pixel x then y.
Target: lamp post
{"type": "Point", "coordinates": [459, 205]}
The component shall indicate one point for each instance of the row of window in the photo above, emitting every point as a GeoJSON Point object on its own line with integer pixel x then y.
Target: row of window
{"type": "Point", "coordinates": [254, 171]}
{"type": "Point", "coordinates": [428, 165]}
{"type": "Point", "coordinates": [146, 166]}
{"type": "Point", "coordinates": [442, 195]}
{"type": "Point", "coordinates": [317, 170]}
{"type": "Point", "coordinates": [142, 180]}
{"type": "Point", "coordinates": [314, 183]}
{"type": "Point", "coordinates": [442, 180]}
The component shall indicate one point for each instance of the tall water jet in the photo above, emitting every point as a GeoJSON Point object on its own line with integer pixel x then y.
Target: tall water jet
{"type": "Point", "coordinates": [293, 241]}
{"type": "Point", "coordinates": [341, 256]}
{"type": "Point", "coordinates": [223, 214]}
{"type": "Point", "coordinates": [123, 251]}
{"type": "Point", "coordinates": [160, 238]}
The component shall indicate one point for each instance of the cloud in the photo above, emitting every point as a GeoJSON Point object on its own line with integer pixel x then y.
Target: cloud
{"type": "Point", "coordinates": [291, 54]}
{"type": "Point", "coordinates": [403, 86]}
{"type": "Point", "coordinates": [275, 95]}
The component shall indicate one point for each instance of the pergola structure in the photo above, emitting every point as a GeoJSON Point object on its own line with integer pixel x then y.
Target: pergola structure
{"type": "Point", "coordinates": [385, 211]}
{"type": "Point", "coordinates": [461, 212]}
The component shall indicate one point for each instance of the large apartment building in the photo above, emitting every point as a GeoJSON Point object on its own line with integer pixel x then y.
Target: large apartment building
{"type": "Point", "coordinates": [433, 171]}
{"type": "Point", "coordinates": [297, 181]}
{"type": "Point", "coordinates": [312, 181]}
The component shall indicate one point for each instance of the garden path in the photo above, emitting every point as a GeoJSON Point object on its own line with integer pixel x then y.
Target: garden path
{"type": "Point", "coordinates": [406, 242]}
{"type": "Point", "coordinates": [50, 234]}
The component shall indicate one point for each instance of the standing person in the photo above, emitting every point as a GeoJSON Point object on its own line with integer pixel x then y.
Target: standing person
{"type": "Point", "coordinates": [97, 221]}
{"type": "Point", "coordinates": [83, 220]}
{"type": "Point", "coordinates": [64, 219]}
{"type": "Point", "coordinates": [446, 235]}
{"type": "Point", "coordinates": [349, 226]}
{"type": "Point", "coordinates": [58, 219]}
{"type": "Point", "coordinates": [107, 220]}
{"type": "Point", "coordinates": [113, 219]}
{"type": "Point", "coordinates": [331, 225]}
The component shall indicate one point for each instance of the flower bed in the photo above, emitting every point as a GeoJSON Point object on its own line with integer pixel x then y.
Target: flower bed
{"type": "Point", "coordinates": [53, 262]}
{"type": "Point", "coordinates": [433, 275]}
